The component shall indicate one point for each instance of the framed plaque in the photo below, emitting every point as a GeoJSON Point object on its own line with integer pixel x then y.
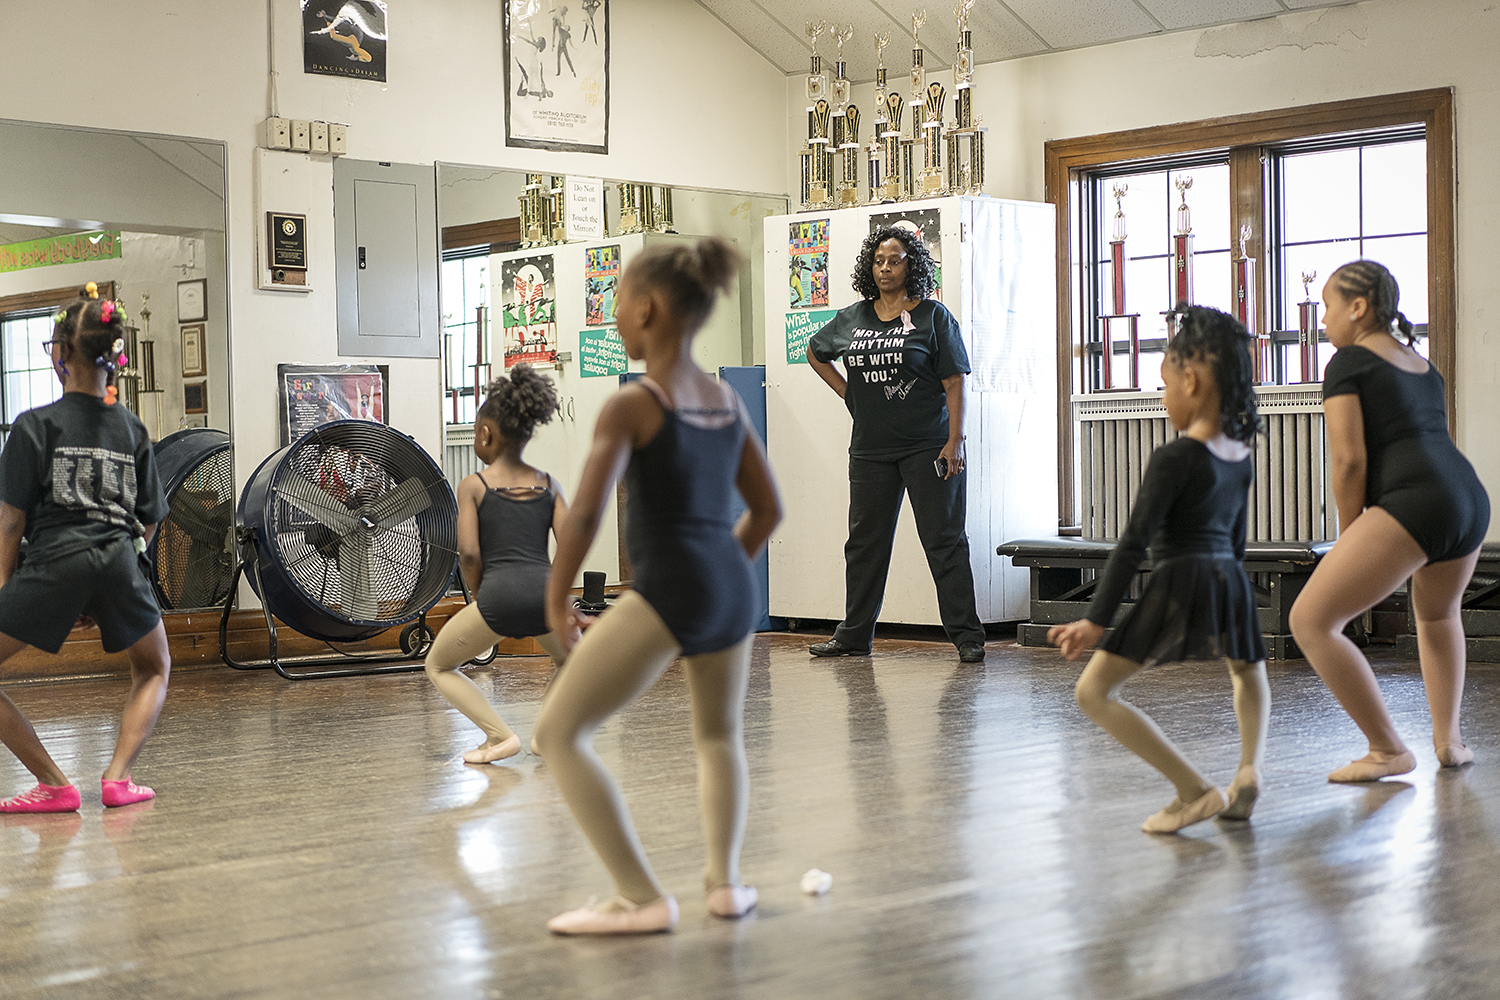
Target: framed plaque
{"type": "Point", "coordinates": [286, 241]}
{"type": "Point", "coordinates": [195, 397]}
{"type": "Point", "coordinates": [192, 300]}
{"type": "Point", "coordinates": [194, 360]}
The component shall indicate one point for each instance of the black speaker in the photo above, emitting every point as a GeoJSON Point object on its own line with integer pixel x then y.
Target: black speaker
{"type": "Point", "coordinates": [592, 600]}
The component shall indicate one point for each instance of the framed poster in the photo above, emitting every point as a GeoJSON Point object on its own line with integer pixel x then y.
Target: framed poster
{"type": "Point", "coordinates": [195, 397]}
{"type": "Point", "coordinates": [315, 394]}
{"type": "Point", "coordinates": [194, 361]}
{"type": "Point", "coordinates": [344, 38]}
{"type": "Point", "coordinates": [192, 300]}
{"type": "Point", "coordinates": [528, 311]}
{"type": "Point", "coordinates": [557, 75]}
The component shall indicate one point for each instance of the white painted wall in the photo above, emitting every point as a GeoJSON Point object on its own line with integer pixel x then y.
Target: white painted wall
{"type": "Point", "coordinates": [1362, 50]}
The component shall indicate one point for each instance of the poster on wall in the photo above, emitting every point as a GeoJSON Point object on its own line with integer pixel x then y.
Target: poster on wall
{"type": "Point", "coordinates": [924, 223]}
{"type": "Point", "coordinates": [601, 353]}
{"type": "Point", "coordinates": [344, 38]}
{"type": "Point", "coordinates": [71, 249]}
{"type": "Point", "coordinates": [807, 263]}
{"type": "Point", "coordinates": [315, 394]}
{"type": "Point", "coordinates": [601, 276]}
{"type": "Point", "coordinates": [528, 312]}
{"type": "Point", "coordinates": [800, 327]}
{"type": "Point", "coordinates": [557, 75]}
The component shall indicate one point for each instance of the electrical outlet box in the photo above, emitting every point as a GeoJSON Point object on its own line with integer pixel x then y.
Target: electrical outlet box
{"type": "Point", "coordinates": [301, 136]}
{"type": "Point", "coordinates": [320, 137]}
{"type": "Point", "coordinates": [338, 138]}
{"type": "Point", "coordinates": [278, 133]}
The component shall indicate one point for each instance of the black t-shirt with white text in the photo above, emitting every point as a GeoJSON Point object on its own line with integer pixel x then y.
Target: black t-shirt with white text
{"type": "Point", "coordinates": [84, 473]}
{"type": "Point", "coordinates": [895, 370]}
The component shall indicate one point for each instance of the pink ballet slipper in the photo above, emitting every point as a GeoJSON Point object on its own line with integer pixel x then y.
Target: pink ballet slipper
{"type": "Point", "coordinates": [618, 916]}
{"type": "Point", "coordinates": [488, 753]}
{"type": "Point", "coordinates": [732, 901]}
{"type": "Point", "coordinates": [123, 792]}
{"type": "Point", "coordinates": [43, 799]}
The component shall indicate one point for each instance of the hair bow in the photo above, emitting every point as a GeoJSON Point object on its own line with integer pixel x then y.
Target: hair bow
{"type": "Point", "coordinates": [107, 310]}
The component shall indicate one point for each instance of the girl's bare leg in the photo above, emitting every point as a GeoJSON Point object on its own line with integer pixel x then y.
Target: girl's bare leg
{"type": "Point", "coordinates": [1437, 591]}
{"type": "Point", "coordinates": [150, 666]}
{"type": "Point", "coordinates": [1252, 710]}
{"type": "Point", "coordinates": [18, 735]}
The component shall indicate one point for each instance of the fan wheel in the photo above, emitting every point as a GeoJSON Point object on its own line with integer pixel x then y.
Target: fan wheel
{"type": "Point", "coordinates": [416, 639]}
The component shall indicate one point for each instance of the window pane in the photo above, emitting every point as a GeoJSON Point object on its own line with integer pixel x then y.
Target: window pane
{"type": "Point", "coordinates": [1211, 282]}
{"type": "Point", "coordinates": [1324, 258]}
{"type": "Point", "coordinates": [1208, 204]}
{"type": "Point", "coordinates": [1395, 188]}
{"type": "Point", "coordinates": [1320, 195]}
{"type": "Point", "coordinates": [1406, 258]}
{"type": "Point", "coordinates": [1147, 211]}
{"type": "Point", "coordinates": [1147, 289]}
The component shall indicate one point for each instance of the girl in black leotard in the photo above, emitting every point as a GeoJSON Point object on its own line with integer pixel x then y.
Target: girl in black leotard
{"type": "Point", "coordinates": [1410, 506]}
{"type": "Point", "coordinates": [505, 512]}
{"type": "Point", "coordinates": [683, 444]}
{"type": "Point", "coordinates": [1198, 603]}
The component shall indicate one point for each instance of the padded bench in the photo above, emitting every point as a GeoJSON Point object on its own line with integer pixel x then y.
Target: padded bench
{"type": "Point", "coordinates": [1065, 571]}
{"type": "Point", "coordinates": [1481, 612]}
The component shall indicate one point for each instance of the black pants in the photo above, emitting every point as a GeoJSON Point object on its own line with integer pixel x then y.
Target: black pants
{"type": "Point", "coordinates": [875, 490]}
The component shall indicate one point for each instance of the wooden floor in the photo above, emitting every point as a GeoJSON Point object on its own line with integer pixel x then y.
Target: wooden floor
{"type": "Point", "coordinates": [319, 839]}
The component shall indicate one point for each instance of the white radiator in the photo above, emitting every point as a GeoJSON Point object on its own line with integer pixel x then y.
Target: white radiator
{"type": "Point", "coordinates": [459, 460]}
{"type": "Point", "coordinates": [1292, 499]}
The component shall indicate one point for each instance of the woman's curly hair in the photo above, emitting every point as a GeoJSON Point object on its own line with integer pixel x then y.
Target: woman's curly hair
{"type": "Point", "coordinates": [1220, 341]}
{"type": "Point", "coordinates": [921, 269]}
{"type": "Point", "coordinates": [518, 401]}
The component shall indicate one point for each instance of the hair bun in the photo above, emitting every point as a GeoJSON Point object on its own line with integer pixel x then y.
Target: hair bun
{"type": "Point", "coordinates": [718, 263]}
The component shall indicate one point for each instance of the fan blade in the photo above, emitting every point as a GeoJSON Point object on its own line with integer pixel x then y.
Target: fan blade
{"type": "Point", "coordinates": [310, 499]}
{"type": "Point", "coordinates": [357, 596]}
{"type": "Point", "coordinates": [407, 500]}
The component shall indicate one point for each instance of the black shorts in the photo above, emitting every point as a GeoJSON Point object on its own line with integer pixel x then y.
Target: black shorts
{"type": "Point", "coordinates": [40, 603]}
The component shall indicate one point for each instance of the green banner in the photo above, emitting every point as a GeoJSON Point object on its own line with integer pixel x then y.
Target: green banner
{"type": "Point", "coordinates": [59, 250]}
{"type": "Point", "coordinates": [601, 353]}
{"type": "Point", "coordinates": [800, 326]}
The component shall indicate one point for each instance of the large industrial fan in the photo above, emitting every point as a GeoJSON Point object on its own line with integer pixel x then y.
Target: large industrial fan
{"type": "Point", "coordinates": [347, 532]}
{"type": "Point", "coordinates": [192, 552]}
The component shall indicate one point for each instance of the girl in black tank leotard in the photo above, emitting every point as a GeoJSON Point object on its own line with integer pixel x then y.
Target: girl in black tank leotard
{"type": "Point", "coordinates": [681, 441]}
{"type": "Point", "coordinates": [1198, 603]}
{"type": "Point", "coordinates": [505, 512]}
{"type": "Point", "coordinates": [1410, 506]}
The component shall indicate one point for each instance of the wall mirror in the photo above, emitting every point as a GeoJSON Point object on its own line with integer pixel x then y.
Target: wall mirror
{"type": "Point", "coordinates": [143, 216]}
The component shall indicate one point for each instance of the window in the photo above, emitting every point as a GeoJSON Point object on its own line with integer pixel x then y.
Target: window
{"type": "Point", "coordinates": [465, 293]}
{"type": "Point", "coordinates": [26, 376]}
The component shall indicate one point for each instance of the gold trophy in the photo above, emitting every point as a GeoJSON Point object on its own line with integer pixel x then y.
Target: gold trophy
{"type": "Point", "coordinates": [845, 125]}
{"type": "Point", "coordinates": [932, 141]}
{"type": "Point", "coordinates": [965, 174]}
{"type": "Point", "coordinates": [875, 152]}
{"type": "Point", "coordinates": [897, 149]}
{"type": "Point", "coordinates": [630, 211]}
{"type": "Point", "coordinates": [557, 208]}
{"type": "Point", "coordinates": [533, 213]}
{"type": "Point", "coordinates": [915, 106]}
{"type": "Point", "coordinates": [816, 157]}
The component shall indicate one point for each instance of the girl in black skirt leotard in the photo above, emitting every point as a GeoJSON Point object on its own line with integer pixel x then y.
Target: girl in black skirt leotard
{"type": "Point", "coordinates": [1410, 506]}
{"type": "Point", "coordinates": [1198, 603]}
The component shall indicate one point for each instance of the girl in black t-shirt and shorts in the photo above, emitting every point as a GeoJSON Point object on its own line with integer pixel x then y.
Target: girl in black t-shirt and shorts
{"type": "Point", "coordinates": [78, 480]}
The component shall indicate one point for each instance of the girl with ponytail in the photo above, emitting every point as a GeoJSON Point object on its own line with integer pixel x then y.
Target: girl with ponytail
{"type": "Point", "coordinates": [1409, 505]}
{"type": "Point", "coordinates": [1198, 603]}
{"type": "Point", "coordinates": [682, 441]}
{"type": "Point", "coordinates": [78, 480]}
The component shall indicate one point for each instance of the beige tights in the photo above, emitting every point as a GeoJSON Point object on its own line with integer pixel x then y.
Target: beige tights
{"type": "Point", "coordinates": [1098, 695]}
{"type": "Point", "coordinates": [619, 659]}
{"type": "Point", "coordinates": [464, 637]}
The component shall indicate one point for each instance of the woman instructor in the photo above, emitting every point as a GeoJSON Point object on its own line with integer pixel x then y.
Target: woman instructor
{"type": "Point", "coordinates": [905, 363]}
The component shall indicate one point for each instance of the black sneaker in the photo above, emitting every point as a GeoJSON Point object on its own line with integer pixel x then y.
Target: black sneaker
{"type": "Point", "coordinates": [835, 648]}
{"type": "Point", "coordinates": [971, 652]}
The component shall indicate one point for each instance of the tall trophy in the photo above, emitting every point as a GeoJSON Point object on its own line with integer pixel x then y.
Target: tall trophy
{"type": "Point", "coordinates": [1107, 321]}
{"type": "Point", "coordinates": [875, 152]}
{"type": "Point", "coordinates": [557, 208]}
{"type": "Point", "coordinates": [1307, 328]}
{"type": "Point", "coordinates": [630, 209]}
{"type": "Point", "coordinates": [932, 141]}
{"type": "Point", "coordinates": [965, 174]}
{"type": "Point", "coordinates": [909, 181]}
{"type": "Point", "coordinates": [815, 156]}
{"type": "Point", "coordinates": [845, 125]}
{"type": "Point", "coordinates": [1242, 272]}
{"type": "Point", "coordinates": [534, 222]}
{"type": "Point", "coordinates": [1182, 245]}
{"type": "Point", "coordinates": [897, 149]}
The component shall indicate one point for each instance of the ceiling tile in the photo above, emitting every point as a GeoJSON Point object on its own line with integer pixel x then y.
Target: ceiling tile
{"type": "Point", "coordinates": [762, 33]}
{"type": "Point", "coordinates": [998, 34]}
{"type": "Point", "coordinates": [1311, 4]}
{"type": "Point", "coordinates": [1174, 14]}
{"type": "Point", "coordinates": [859, 51]}
{"type": "Point", "coordinates": [1066, 24]}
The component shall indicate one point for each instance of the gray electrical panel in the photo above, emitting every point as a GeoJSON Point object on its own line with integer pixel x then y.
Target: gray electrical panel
{"type": "Point", "coordinates": [386, 253]}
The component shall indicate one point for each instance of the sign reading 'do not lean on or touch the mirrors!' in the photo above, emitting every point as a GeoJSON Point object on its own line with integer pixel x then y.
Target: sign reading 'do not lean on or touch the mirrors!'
{"type": "Point", "coordinates": [800, 327]}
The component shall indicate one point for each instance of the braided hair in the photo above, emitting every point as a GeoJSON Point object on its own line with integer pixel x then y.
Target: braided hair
{"type": "Point", "coordinates": [92, 330]}
{"type": "Point", "coordinates": [921, 269]}
{"type": "Point", "coordinates": [1220, 341]}
{"type": "Point", "coordinates": [1365, 279]}
{"type": "Point", "coordinates": [518, 401]}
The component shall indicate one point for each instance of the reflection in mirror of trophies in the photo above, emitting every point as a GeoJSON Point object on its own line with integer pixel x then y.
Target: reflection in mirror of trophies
{"type": "Point", "coordinates": [630, 212]}
{"type": "Point", "coordinates": [533, 213]}
{"type": "Point", "coordinates": [1182, 245]}
{"type": "Point", "coordinates": [557, 209]}
{"type": "Point", "coordinates": [875, 152]}
{"type": "Point", "coordinates": [965, 173]}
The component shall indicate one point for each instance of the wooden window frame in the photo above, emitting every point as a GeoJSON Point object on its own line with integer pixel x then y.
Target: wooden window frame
{"type": "Point", "coordinates": [1243, 137]}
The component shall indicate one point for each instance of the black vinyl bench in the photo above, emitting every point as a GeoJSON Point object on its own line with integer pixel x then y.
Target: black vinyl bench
{"type": "Point", "coordinates": [1065, 571]}
{"type": "Point", "coordinates": [1481, 612]}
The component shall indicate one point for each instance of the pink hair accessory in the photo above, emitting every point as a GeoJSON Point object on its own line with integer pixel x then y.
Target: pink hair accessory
{"type": "Point", "coordinates": [107, 310]}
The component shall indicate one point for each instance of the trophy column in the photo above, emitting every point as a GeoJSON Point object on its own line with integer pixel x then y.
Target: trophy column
{"type": "Point", "coordinates": [1307, 329]}
{"type": "Point", "coordinates": [1182, 247]}
{"type": "Point", "coordinates": [1106, 376]}
{"type": "Point", "coordinates": [897, 157]}
{"type": "Point", "coordinates": [965, 174]}
{"type": "Point", "coordinates": [1242, 274]}
{"type": "Point", "coordinates": [875, 152]}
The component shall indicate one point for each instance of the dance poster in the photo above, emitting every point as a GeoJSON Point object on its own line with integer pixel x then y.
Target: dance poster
{"type": "Point", "coordinates": [924, 224]}
{"type": "Point", "coordinates": [557, 75]}
{"type": "Point", "coordinates": [316, 394]}
{"type": "Point", "coordinates": [807, 263]}
{"type": "Point", "coordinates": [344, 38]}
{"type": "Point", "coordinates": [601, 353]}
{"type": "Point", "coordinates": [601, 276]}
{"type": "Point", "coordinates": [800, 327]}
{"type": "Point", "coordinates": [528, 312]}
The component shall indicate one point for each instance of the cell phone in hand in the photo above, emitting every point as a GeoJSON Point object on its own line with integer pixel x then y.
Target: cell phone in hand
{"type": "Point", "coordinates": [941, 465]}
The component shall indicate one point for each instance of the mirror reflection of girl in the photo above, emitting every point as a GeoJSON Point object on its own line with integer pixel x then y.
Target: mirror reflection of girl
{"type": "Point", "coordinates": [78, 479]}
{"type": "Point", "coordinates": [1198, 603]}
{"type": "Point", "coordinates": [1410, 507]}
{"type": "Point", "coordinates": [505, 512]}
{"type": "Point", "coordinates": [684, 445]}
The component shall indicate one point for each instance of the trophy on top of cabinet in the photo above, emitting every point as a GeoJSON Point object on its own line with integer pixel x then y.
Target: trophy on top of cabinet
{"type": "Point", "coordinates": [914, 103]}
{"type": "Point", "coordinates": [816, 157]}
{"type": "Point", "coordinates": [845, 125]}
{"type": "Point", "coordinates": [965, 174]}
{"type": "Point", "coordinates": [875, 152]}
{"type": "Point", "coordinates": [1182, 245]}
{"type": "Point", "coordinates": [932, 141]}
{"type": "Point", "coordinates": [897, 149]}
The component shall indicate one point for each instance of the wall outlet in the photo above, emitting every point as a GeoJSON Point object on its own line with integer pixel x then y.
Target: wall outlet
{"type": "Point", "coordinates": [278, 133]}
{"type": "Point", "coordinates": [301, 136]}
{"type": "Point", "coordinates": [320, 137]}
{"type": "Point", "coordinates": [338, 138]}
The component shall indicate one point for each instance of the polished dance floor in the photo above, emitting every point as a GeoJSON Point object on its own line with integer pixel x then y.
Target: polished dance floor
{"type": "Point", "coordinates": [321, 840]}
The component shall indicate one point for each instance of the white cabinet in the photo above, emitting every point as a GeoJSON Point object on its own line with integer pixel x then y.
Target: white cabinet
{"type": "Point", "coordinates": [998, 279]}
